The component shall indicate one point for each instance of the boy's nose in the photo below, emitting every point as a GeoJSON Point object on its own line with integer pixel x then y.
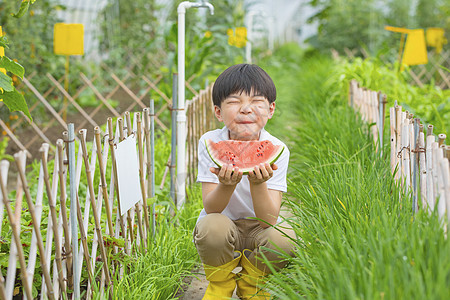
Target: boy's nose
{"type": "Point", "coordinates": [246, 109]}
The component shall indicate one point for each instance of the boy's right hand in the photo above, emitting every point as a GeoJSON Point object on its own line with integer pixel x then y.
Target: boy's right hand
{"type": "Point", "coordinates": [227, 174]}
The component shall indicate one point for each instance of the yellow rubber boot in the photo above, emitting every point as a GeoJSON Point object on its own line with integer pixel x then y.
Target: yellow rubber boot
{"type": "Point", "coordinates": [221, 280]}
{"type": "Point", "coordinates": [250, 279]}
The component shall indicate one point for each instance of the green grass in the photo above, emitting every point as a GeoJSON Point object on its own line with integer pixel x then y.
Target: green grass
{"type": "Point", "coordinates": [356, 237]}
{"type": "Point", "coordinates": [170, 256]}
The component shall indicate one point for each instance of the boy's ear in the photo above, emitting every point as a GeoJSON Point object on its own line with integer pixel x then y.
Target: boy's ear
{"type": "Point", "coordinates": [217, 112]}
{"type": "Point", "coordinates": [271, 110]}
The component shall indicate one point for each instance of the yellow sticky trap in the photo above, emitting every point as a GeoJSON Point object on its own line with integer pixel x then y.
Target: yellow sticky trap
{"type": "Point", "coordinates": [2, 52]}
{"type": "Point", "coordinates": [68, 39]}
{"type": "Point", "coordinates": [436, 38]}
{"type": "Point", "coordinates": [397, 29]}
{"type": "Point", "coordinates": [415, 49]}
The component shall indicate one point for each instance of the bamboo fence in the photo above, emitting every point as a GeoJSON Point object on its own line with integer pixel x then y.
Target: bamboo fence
{"type": "Point", "coordinates": [419, 159]}
{"type": "Point", "coordinates": [103, 88]}
{"type": "Point", "coordinates": [200, 119]}
{"type": "Point", "coordinates": [105, 236]}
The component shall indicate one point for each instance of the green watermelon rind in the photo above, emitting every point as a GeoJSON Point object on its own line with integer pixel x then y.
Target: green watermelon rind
{"type": "Point", "coordinates": [245, 170]}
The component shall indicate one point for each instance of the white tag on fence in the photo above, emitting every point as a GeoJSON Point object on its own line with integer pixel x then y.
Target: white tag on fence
{"type": "Point", "coordinates": [128, 173]}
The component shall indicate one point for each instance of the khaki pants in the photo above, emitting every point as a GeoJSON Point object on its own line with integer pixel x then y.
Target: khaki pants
{"type": "Point", "coordinates": [216, 237]}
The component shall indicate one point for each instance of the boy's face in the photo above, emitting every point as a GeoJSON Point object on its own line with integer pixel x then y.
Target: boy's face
{"type": "Point", "coordinates": [245, 115]}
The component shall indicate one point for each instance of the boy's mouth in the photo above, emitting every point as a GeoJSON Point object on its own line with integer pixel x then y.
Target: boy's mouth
{"type": "Point", "coordinates": [245, 122]}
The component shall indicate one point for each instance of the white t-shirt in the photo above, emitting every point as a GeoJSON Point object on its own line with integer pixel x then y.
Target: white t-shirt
{"type": "Point", "coordinates": [240, 205]}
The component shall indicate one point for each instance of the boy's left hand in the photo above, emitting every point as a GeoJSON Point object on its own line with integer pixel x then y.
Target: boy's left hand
{"type": "Point", "coordinates": [261, 173]}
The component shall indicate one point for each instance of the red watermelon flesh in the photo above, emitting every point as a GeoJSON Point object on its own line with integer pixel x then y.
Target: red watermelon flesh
{"type": "Point", "coordinates": [243, 154]}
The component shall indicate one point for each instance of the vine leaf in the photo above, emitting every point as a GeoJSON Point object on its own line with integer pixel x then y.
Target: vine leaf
{"type": "Point", "coordinates": [6, 82]}
{"type": "Point", "coordinates": [15, 101]}
{"type": "Point", "coordinates": [12, 66]}
{"type": "Point", "coordinates": [23, 8]}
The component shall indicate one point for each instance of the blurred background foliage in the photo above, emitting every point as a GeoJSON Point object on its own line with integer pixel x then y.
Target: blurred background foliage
{"type": "Point", "coordinates": [141, 37]}
{"type": "Point", "coordinates": [354, 24]}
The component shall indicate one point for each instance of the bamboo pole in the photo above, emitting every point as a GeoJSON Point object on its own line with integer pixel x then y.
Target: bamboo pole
{"type": "Point", "coordinates": [59, 231]}
{"type": "Point", "coordinates": [2, 285]}
{"type": "Point", "coordinates": [405, 154]}
{"type": "Point", "coordinates": [104, 185]}
{"type": "Point", "coordinates": [435, 147]}
{"type": "Point", "coordinates": [32, 254]}
{"type": "Point", "coordinates": [142, 176]}
{"type": "Point", "coordinates": [31, 208]}
{"type": "Point", "coordinates": [13, 253]}
{"type": "Point", "coordinates": [415, 152]}
{"type": "Point", "coordinates": [96, 218]}
{"type": "Point", "coordinates": [441, 139]}
{"type": "Point", "coordinates": [14, 221]}
{"type": "Point", "coordinates": [63, 206]}
{"type": "Point", "coordinates": [130, 223]}
{"type": "Point", "coordinates": [393, 139]}
{"type": "Point", "coordinates": [382, 107]}
{"type": "Point", "coordinates": [52, 205]}
{"type": "Point", "coordinates": [374, 113]}
{"type": "Point", "coordinates": [189, 142]}
{"type": "Point", "coordinates": [114, 171]}
{"type": "Point", "coordinates": [444, 164]}
{"type": "Point", "coordinates": [429, 129]}
{"type": "Point", "coordinates": [152, 159]}
{"type": "Point", "coordinates": [398, 126]}
{"type": "Point", "coordinates": [148, 163]}
{"type": "Point", "coordinates": [423, 170]}
{"type": "Point", "coordinates": [83, 222]}
{"type": "Point", "coordinates": [440, 180]}
{"type": "Point", "coordinates": [15, 226]}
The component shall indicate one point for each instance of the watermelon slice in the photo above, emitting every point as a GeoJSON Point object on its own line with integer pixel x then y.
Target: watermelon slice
{"type": "Point", "coordinates": [243, 154]}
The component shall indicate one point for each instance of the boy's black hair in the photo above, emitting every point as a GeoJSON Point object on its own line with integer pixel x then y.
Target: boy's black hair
{"type": "Point", "coordinates": [243, 78]}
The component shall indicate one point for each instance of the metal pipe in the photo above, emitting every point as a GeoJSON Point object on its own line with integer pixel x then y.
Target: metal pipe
{"type": "Point", "coordinates": [181, 113]}
{"type": "Point", "coordinates": [152, 160]}
{"type": "Point", "coordinates": [73, 210]}
{"type": "Point", "coordinates": [174, 138]}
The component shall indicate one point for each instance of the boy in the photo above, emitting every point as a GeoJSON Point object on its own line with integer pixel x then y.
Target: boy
{"type": "Point", "coordinates": [227, 233]}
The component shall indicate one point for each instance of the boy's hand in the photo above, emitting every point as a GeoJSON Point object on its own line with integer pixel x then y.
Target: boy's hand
{"type": "Point", "coordinates": [261, 173]}
{"type": "Point", "coordinates": [227, 174]}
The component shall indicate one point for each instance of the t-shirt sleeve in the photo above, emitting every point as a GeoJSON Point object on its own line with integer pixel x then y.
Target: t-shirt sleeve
{"type": "Point", "coordinates": [278, 180]}
{"type": "Point", "coordinates": [204, 163]}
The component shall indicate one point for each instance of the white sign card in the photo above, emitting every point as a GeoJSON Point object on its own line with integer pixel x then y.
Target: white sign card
{"type": "Point", "coordinates": [128, 173]}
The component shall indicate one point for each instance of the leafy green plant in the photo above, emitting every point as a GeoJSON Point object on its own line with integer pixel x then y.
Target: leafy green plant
{"type": "Point", "coordinates": [356, 237]}
{"type": "Point", "coordinates": [430, 103]}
